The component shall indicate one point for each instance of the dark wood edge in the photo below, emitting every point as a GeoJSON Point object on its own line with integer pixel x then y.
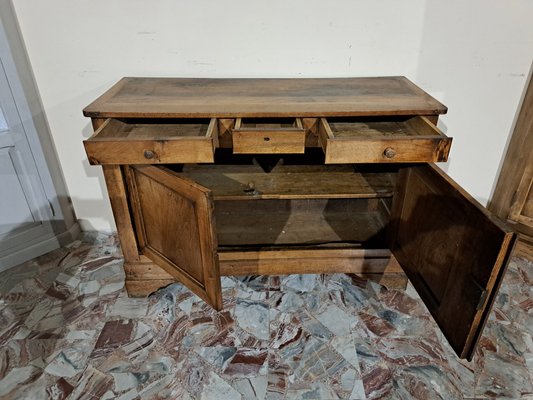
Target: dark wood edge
{"type": "Point", "coordinates": [208, 245]}
{"type": "Point", "coordinates": [135, 204]}
{"type": "Point", "coordinates": [96, 138]}
{"type": "Point", "coordinates": [398, 200]}
{"type": "Point", "coordinates": [457, 188]}
{"type": "Point", "coordinates": [511, 190]}
{"type": "Point", "coordinates": [117, 191]}
{"type": "Point", "coordinates": [91, 109]}
{"type": "Point", "coordinates": [469, 352]}
{"type": "Point", "coordinates": [313, 114]}
{"type": "Point", "coordinates": [441, 110]}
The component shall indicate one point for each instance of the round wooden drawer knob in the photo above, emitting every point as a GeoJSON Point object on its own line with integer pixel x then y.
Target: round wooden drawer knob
{"type": "Point", "coordinates": [149, 154]}
{"type": "Point", "coordinates": [389, 152]}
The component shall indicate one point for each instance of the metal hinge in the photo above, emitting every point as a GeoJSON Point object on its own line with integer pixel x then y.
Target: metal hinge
{"type": "Point", "coordinates": [483, 296]}
{"type": "Point", "coordinates": [514, 198]}
{"type": "Point", "coordinates": [482, 299]}
{"type": "Point", "coordinates": [51, 208]}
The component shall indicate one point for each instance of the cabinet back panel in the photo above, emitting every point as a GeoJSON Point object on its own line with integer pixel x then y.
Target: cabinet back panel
{"type": "Point", "coordinates": [301, 222]}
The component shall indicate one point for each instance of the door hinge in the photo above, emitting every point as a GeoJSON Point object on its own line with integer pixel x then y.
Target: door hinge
{"type": "Point", "coordinates": [513, 199]}
{"type": "Point", "coordinates": [482, 299]}
{"type": "Point", "coordinates": [51, 208]}
{"type": "Point", "coordinates": [483, 296]}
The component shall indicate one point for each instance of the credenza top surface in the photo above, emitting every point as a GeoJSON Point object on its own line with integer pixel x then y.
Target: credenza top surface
{"type": "Point", "coordinates": [250, 97]}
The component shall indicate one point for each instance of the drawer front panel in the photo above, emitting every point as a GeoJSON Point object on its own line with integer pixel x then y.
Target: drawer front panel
{"type": "Point", "coordinates": [387, 140]}
{"type": "Point", "coordinates": [385, 151]}
{"type": "Point", "coordinates": [150, 151]}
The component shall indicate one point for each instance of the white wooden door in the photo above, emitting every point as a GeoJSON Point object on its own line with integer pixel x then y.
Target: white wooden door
{"type": "Point", "coordinates": [25, 212]}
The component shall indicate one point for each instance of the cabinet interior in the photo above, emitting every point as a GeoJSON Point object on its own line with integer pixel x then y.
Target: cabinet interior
{"type": "Point", "coordinates": [306, 222]}
{"type": "Point", "coordinates": [295, 200]}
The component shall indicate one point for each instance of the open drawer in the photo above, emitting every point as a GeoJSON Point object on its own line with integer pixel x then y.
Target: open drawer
{"type": "Point", "coordinates": [268, 136]}
{"type": "Point", "coordinates": [381, 140]}
{"type": "Point", "coordinates": [153, 141]}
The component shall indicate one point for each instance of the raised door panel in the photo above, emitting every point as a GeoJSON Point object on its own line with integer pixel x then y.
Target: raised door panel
{"type": "Point", "coordinates": [175, 228]}
{"type": "Point", "coordinates": [452, 249]}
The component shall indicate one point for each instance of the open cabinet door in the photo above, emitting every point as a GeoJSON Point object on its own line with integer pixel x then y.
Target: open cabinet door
{"type": "Point", "coordinates": [175, 228]}
{"type": "Point", "coordinates": [452, 249]}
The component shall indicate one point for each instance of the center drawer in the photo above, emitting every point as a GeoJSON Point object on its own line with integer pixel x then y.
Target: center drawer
{"type": "Point", "coordinates": [268, 136]}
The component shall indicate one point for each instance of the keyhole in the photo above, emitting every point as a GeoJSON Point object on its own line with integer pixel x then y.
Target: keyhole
{"type": "Point", "coordinates": [266, 139]}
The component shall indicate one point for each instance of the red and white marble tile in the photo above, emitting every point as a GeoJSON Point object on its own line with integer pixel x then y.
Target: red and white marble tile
{"type": "Point", "coordinates": [69, 331]}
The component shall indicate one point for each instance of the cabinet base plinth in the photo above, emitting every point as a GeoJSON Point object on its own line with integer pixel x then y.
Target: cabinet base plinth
{"type": "Point", "coordinates": [144, 288]}
{"type": "Point", "coordinates": [145, 277]}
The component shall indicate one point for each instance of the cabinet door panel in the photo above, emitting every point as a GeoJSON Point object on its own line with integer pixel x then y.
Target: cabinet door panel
{"type": "Point", "coordinates": [175, 228]}
{"type": "Point", "coordinates": [452, 249]}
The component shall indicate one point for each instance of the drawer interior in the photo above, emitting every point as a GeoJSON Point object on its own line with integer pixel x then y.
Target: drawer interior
{"type": "Point", "coordinates": [262, 124]}
{"type": "Point", "coordinates": [154, 129]}
{"type": "Point", "coordinates": [379, 127]}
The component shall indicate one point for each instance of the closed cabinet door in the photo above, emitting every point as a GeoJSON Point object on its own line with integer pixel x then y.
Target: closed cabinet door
{"type": "Point", "coordinates": [25, 212]}
{"type": "Point", "coordinates": [452, 249]}
{"type": "Point", "coordinates": [176, 229]}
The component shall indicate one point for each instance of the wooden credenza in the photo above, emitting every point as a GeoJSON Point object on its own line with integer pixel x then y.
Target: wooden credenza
{"type": "Point", "coordinates": [212, 177]}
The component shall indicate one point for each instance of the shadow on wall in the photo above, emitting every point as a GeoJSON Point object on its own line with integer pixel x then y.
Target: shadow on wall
{"type": "Point", "coordinates": [98, 208]}
{"type": "Point", "coordinates": [29, 236]}
{"type": "Point", "coordinates": [473, 59]}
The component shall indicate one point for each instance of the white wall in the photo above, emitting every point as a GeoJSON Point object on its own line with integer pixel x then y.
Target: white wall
{"type": "Point", "coordinates": [473, 56]}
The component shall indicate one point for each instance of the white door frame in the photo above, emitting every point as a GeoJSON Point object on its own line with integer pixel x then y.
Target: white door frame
{"type": "Point", "coordinates": [59, 213]}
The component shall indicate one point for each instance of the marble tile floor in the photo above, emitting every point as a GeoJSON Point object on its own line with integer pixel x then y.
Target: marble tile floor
{"type": "Point", "coordinates": [68, 331]}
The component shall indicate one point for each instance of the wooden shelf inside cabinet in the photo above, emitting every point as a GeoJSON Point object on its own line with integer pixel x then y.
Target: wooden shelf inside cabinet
{"type": "Point", "coordinates": [250, 182]}
{"type": "Point", "coordinates": [212, 177]}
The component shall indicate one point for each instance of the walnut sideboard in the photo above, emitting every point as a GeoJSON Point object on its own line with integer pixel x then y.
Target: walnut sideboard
{"type": "Point", "coordinates": [211, 177]}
